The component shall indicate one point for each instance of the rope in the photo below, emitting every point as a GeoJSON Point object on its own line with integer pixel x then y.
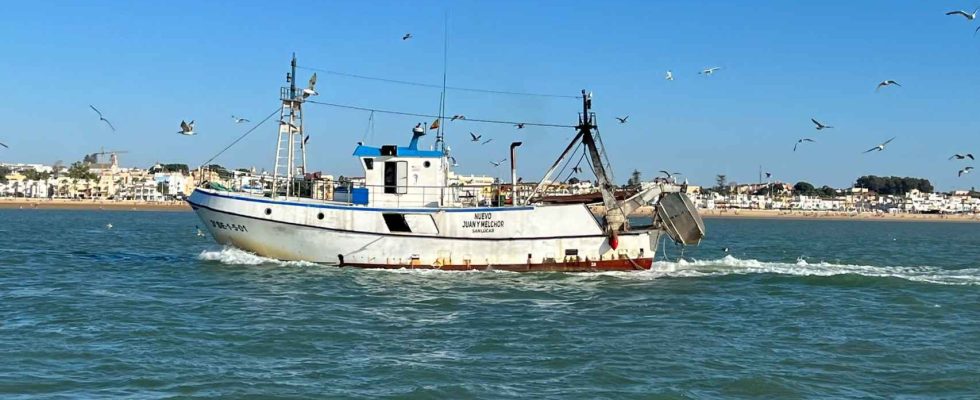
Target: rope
{"type": "Point", "coordinates": [241, 137]}
{"type": "Point", "coordinates": [488, 121]}
{"type": "Point", "coordinates": [429, 85]}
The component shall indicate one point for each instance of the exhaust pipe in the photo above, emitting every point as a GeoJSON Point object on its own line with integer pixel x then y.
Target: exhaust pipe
{"type": "Point", "coordinates": [513, 172]}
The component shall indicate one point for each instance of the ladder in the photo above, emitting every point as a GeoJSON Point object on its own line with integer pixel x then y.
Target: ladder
{"type": "Point", "coordinates": [290, 148]}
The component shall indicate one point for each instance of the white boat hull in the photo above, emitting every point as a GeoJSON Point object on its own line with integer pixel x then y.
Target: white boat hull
{"type": "Point", "coordinates": [564, 238]}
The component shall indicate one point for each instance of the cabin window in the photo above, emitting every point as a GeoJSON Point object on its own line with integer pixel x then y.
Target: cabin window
{"type": "Point", "coordinates": [396, 222]}
{"type": "Point", "coordinates": [426, 164]}
{"type": "Point", "coordinates": [369, 163]}
{"type": "Point", "coordinates": [396, 177]}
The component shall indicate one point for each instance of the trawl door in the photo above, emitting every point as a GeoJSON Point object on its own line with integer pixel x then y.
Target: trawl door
{"type": "Point", "coordinates": [396, 177]}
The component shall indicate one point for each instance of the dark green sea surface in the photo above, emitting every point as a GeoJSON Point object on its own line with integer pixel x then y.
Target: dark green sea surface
{"type": "Point", "coordinates": [796, 309]}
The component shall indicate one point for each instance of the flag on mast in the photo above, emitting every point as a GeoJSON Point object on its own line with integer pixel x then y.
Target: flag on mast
{"type": "Point", "coordinates": [435, 124]}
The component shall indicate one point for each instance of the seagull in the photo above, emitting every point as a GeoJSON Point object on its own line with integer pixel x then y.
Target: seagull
{"type": "Point", "coordinates": [187, 129]}
{"type": "Point", "coordinates": [239, 120]}
{"type": "Point", "coordinates": [964, 14]}
{"type": "Point", "coordinates": [407, 36]}
{"type": "Point", "coordinates": [457, 116]}
{"type": "Point", "coordinates": [311, 89]}
{"type": "Point", "coordinates": [199, 231]}
{"type": "Point", "coordinates": [108, 226]}
{"type": "Point", "coordinates": [965, 171]}
{"type": "Point", "coordinates": [886, 83]}
{"type": "Point", "coordinates": [798, 143]}
{"type": "Point", "coordinates": [576, 170]}
{"type": "Point", "coordinates": [487, 141]}
{"type": "Point", "coordinates": [768, 175]}
{"type": "Point", "coordinates": [709, 71]}
{"type": "Point", "coordinates": [497, 164]}
{"type": "Point", "coordinates": [4, 146]}
{"type": "Point", "coordinates": [962, 156]}
{"type": "Point", "coordinates": [669, 174]}
{"type": "Point", "coordinates": [519, 125]}
{"type": "Point", "coordinates": [622, 120]}
{"type": "Point", "coordinates": [819, 125]}
{"type": "Point", "coordinates": [306, 139]}
{"type": "Point", "coordinates": [454, 161]}
{"type": "Point", "coordinates": [292, 126]}
{"type": "Point", "coordinates": [879, 147]}
{"type": "Point", "coordinates": [669, 76]}
{"type": "Point", "coordinates": [975, 32]}
{"type": "Point", "coordinates": [101, 118]}
{"type": "Point", "coordinates": [475, 137]}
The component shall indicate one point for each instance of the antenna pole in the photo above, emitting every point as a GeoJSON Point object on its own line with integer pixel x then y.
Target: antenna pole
{"type": "Point", "coordinates": [440, 138]}
{"type": "Point", "coordinates": [292, 80]}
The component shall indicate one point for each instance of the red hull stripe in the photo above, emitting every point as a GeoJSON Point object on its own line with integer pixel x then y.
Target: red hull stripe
{"type": "Point", "coordinates": [572, 266]}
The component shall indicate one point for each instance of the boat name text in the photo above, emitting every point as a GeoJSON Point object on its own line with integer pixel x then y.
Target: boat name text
{"type": "Point", "coordinates": [228, 227]}
{"type": "Point", "coordinates": [483, 222]}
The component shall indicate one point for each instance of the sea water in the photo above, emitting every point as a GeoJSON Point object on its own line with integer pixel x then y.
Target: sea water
{"type": "Point", "coordinates": [792, 309]}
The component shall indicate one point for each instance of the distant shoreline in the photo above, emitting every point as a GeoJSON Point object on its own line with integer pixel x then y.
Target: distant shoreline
{"type": "Point", "coordinates": [107, 205]}
{"type": "Point", "coordinates": [129, 205]}
{"type": "Point", "coordinates": [647, 211]}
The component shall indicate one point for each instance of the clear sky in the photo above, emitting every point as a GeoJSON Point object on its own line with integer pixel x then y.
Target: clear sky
{"type": "Point", "coordinates": [147, 65]}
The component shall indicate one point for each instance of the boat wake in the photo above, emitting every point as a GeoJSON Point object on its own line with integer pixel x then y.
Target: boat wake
{"type": "Point", "coordinates": [730, 265]}
{"type": "Point", "coordinates": [727, 265]}
{"type": "Point", "coordinates": [234, 256]}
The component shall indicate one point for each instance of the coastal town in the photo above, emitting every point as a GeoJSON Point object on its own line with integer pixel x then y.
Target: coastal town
{"type": "Point", "coordinates": [99, 179]}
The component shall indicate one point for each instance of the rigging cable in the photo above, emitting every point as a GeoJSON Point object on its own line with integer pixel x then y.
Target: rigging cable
{"type": "Point", "coordinates": [429, 85]}
{"type": "Point", "coordinates": [242, 136]}
{"type": "Point", "coordinates": [488, 121]}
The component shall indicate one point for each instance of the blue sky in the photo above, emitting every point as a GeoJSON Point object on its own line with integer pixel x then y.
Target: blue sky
{"type": "Point", "coordinates": [147, 65]}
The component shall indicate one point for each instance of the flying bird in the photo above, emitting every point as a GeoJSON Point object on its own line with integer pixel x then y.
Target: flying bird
{"type": "Point", "coordinates": [964, 14]}
{"type": "Point", "coordinates": [965, 171]}
{"type": "Point", "coordinates": [407, 36]}
{"type": "Point", "coordinates": [454, 161]}
{"type": "Point", "coordinates": [962, 156]}
{"type": "Point", "coordinates": [576, 170]}
{"type": "Point", "coordinates": [292, 126]}
{"type": "Point", "coordinates": [798, 143]}
{"type": "Point", "coordinates": [622, 120]}
{"type": "Point", "coordinates": [709, 71]}
{"type": "Point", "coordinates": [669, 76]}
{"type": "Point", "coordinates": [879, 147]}
{"type": "Point", "coordinates": [4, 146]}
{"type": "Point", "coordinates": [239, 120]}
{"type": "Point", "coordinates": [108, 226]}
{"type": "Point", "coordinates": [977, 30]}
{"type": "Point", "coordinates": [306, 139]}
{"type": "Point", "coordinates": [519, 125]}
{"type": "Point", "coordinates": [199, 231]}
{"type": "Point", "coordinates": [669, 174]}
{"type": "Point", "coordinates": [101, 118]}
{"type": "Point", "coordinates": [886, 83]}
{"type": "Point", "coordinates": [497, 164]}
{"type": "Point", "coordinates": [311, 88]}
{"type": "Point", "coordinates": [819, 125]}
{"type": "Point", "coordinates": [768, 175]}
{"type": "Point", "coordinates": [475, 137]}
{"type": "Point", "coordinates": [186, 129]}
{"type": "Point", "coordinates": [457, 116]}
{"type": "Point", "coordinates": [487, 141]}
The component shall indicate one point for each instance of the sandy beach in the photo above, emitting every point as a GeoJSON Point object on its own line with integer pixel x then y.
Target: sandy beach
{"type": "Point", "coordinates": [64, 204]}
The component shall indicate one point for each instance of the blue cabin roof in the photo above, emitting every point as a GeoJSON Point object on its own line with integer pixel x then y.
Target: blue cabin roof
{"type": "Point", "coordinates": [368, 151]}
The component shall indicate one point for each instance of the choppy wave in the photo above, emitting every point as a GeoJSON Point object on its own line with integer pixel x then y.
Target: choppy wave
{"type": "Point", "coordinates": [730, 265]}
{"type": "Point", "coordinates": [234, 256]}
{"type": "Point", "coordinates": [727, 265]}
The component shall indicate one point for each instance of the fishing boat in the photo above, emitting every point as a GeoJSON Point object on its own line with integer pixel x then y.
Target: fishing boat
{"type": "Point", "coordinates": [409, 211]}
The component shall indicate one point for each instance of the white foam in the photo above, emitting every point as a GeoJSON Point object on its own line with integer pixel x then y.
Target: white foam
{"type": "Point", "coordinates": [727, 265]}
{"type": "Point", "coordinates": [730, 265]}
{"type": "Point", "coordinates": [234, 256]}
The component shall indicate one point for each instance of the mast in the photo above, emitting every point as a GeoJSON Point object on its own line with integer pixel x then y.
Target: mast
{"type": "Point", "coordinates": [614, 218]}
{"type": "Point", "coordinates": [290, 151]}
